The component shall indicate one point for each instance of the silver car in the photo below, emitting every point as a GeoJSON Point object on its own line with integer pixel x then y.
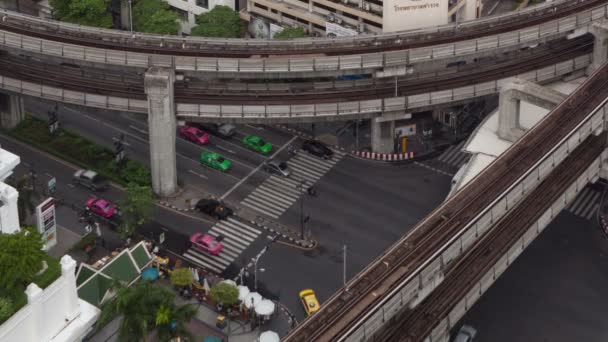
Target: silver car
{"type": "Point", "coordinates": [277, 167]}
{"type": "Point", "coordinates": [466, 334]}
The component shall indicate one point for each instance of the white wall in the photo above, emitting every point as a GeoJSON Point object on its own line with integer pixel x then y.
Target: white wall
{"type": "Point", "coordinates": [9, 215]}
{"type": "Point", "coordinates": [413, 14]}
{"type": "Point", "coordinates": [53, 314]}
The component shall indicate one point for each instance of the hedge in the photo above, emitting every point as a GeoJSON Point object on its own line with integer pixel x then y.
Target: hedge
{"type": "Point", "coordinates": [50, 275]}
{"type": "Point", "coordinates": [75, 149]}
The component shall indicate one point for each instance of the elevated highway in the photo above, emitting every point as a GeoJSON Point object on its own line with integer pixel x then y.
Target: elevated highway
{"type": "Point", "coordinates": [382, 55]}
{"type": "Point", "coordinates": [412, 268]}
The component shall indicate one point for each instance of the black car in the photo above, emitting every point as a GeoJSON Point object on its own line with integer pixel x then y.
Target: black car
{"type": "Point", "coordinates": [317, 148]}
{"type": "Point", "coordinates": [213, 207]}
{"type": "Point", "coordinates": [224, 131]}
{"type": "Point", "coordinates": [91, 180]}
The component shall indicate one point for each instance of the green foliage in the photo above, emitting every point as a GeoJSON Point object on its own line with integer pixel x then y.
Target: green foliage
{"type": "Point", "coordinates": [154, 16]}
{"type": "Point", "coordinates": [225, 293]}
{"type": "Point", "coordinates": [80, 151]}
{"type": "Point", "coordinates": [50, 275]}
{"type": "Point", "coordinates": [20, 258]}
{"type": "Point", "coordinates": [6, 308]}
{"type": "Point", "coordinates": [137, 207]}
{"type": "Point", "coordinates": [143, 307]}
{"type": "Point", "coordinates": [220, 22]}
{"type": "Point", "coordinates": [83, 12]}
{"type": "Point", "coordinates": [85, 241]}
{"type": "Point", "coordinates": [181, 277]}
{"type": "Point", "coordinates": [290, 33]}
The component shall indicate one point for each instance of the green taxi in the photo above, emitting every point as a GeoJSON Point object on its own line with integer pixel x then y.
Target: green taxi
{"type": "Point", "coordinates": [255, 143]}
{"type": "Point", "coordinates": [214, 160]}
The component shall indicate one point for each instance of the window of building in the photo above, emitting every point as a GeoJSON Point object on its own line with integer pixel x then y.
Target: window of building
{"type": "Point", "coordinates": [261, 6]}
{"type": "Point", "coordinates": [203, 3]}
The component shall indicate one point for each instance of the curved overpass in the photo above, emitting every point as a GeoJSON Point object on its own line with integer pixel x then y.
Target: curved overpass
{"type": "Point", "coordinates": [338, 55]}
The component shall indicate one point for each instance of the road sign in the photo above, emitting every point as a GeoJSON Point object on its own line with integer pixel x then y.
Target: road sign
{"type": "Point", "coordinates": [161, 238]}
{"type": "Point", "coordinates": [52, 185]}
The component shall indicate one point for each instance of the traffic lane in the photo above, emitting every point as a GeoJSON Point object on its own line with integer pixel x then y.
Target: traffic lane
{"type": "Point", "coordinates": [554, 291]}
{"type": "Point", "coordinates": [271, 134]}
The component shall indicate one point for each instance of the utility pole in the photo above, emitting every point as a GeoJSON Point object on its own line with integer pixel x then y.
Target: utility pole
{"type": "Point", "coordinates": [344, 269]}
{"type": "Point", "coordinates": [130, 18]}
{"type": "Point", "coordinates": [256, 259]}
{"type": "Point", "coordinates": [120, 149]}
{"type": "Point", "coordinates": [303, 219]}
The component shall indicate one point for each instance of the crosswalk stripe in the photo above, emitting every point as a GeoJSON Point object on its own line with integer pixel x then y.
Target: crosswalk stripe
{"type": "Point", "coordinates": [246, 227]}
{"type": "Point", "coordinates": [580, 201]}
{"type": "Point", "coordinates": [256, 208]}
{"type": "Point", "coordinates": [316, 162]}
{"type": "Point", "coordinates": [299, 178]}
{"type": "Point", "coordinates": [447, 153]}
{"type": "Point", "coordinates": [269, 203]}
{"type": "Point", "coordinates": [304, 176]}
{"type": "Point", "coordinates": [453, 156]}
{"type": "Point", "coordinates": [212, 258]}
{"type": "Point", "coordinates": [270, 196]}
{"type": "Point", "coordinates": [227, 233]}
{"type": "Point", "coordinates": [238, 230]}
{"type": "Point", "coordinates": [201, 262]}
{"type": "Point", "coordinates": [312, 173]}
{"type": "Point", "coordinates": [338, 152]}
{"type": "Point", "coordinates": [268, 190]}
{"type": "Point", "coordinates": [234, 244]}
{"type": "Point", "coordinates": [308, 166]}
{"type": "Point", "coordinates": [284, 185]}
{"type": "Point", "coordinates": [589, 200]}
{"type": "Point", "coordinates": [462, 157]}
{"type": "Point", "coordinates": [287, 181]}
{"type": "Point", "coordinates": [591, 211]}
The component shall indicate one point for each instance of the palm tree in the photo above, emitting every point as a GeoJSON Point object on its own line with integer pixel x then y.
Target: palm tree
{"type": "Point", "coordinates": [138, 305]}
{"type": "Point", "coordinates": [171, 321]}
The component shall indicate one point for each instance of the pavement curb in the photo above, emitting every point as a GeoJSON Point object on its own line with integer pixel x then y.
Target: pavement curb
{"type": "Point", "coordinates": [389, 157]}
{"type": "Point", "coordinates": [169, 205]}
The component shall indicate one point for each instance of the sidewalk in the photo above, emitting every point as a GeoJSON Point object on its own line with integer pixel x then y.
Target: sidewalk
{"type": "Point", "coordinates": [65, 240]}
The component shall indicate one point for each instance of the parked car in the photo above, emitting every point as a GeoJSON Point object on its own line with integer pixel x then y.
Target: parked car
{"type": "Point", "coordinates": [194, 134]}
{"type": "Point", "coordinates": [221, 130]}
{"type": "Point", "coordinates": [101, 207]}
{"type": "Point", "coordinates": [91, 180]}
{"type": "Point", "coordinates": [255, 143]}
{"type": "Point", "coordinates": [213, 207]}
{"type": "Point", "coordinates": [206, 243]}
{"type": "Point", "coordinates": [277, 167]}
{"type": "Point", "coordinates": [309, 301]}
{"type": "Point", "coordinates": [466, 334]}
{"type": "Point", "coordinates": [317, 148]}
{"type": "Point", "coordinates": [215, 161]}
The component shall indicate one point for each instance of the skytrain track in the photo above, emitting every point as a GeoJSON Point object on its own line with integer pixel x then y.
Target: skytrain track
{"type": "Point", "coordinates": [130, 85]}
{"type": "Point", "coordinates": [242, 48]}
{"type": "Point", "coordinates": [347, 309]}
{"type": "Point", "coordinates": [415, 325]}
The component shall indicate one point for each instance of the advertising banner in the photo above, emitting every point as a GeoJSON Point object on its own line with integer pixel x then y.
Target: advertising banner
{"type": "Point", "coordinates": [399, 15]}
{"type": "Point", "coordinates": [335, 30]}
{"type": "Point", "coordinates": [46, 222]}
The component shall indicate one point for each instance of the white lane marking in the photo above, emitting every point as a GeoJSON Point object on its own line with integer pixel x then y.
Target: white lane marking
{"type": "Point", "coordinates": [225, 149]}
{"type": "Point", "coordinates": [198, 174]}
{"type": "Point", "coordinates": [256, 169]}
{"type": "Point", "coordinates": [124, 142]}
{"type": "Point", "coordinates": [254, 127]}
{"type": "Point", "coordinates": [142, 131]}
{"type": "Point", "coordinates": [493, 8]}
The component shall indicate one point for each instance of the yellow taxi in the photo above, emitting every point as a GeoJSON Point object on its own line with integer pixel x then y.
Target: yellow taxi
{"type": "Point", "coordinates": [309, 301]}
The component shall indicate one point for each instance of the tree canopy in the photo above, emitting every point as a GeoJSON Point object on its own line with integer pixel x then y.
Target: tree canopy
{"type": "Point", "coordinates": [181, 277]}
{"type": "Point", "coordinates": [84, 12]}
{"type": "Point", "coordinates": [220, 22]}
{"type": "Point", "coordinates": [290, 33]}
{"type": "Point", "coordinates": [225, 293]}
{"type": "Point", "coordinates": [21, 257]}
{"type": "Point", "coordinates": [154, 16]}
{"type": "Point", "coordinates": [137, 207]}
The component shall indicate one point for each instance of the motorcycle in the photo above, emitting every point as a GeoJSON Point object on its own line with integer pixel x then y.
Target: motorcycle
{"type": "Point", "coordinates": [292, 150]}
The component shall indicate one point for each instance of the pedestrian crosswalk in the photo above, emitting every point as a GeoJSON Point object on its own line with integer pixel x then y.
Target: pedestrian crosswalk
{"type": "Point", "coordinates": [585, 205]}
{"type": "Point", "coordinates": [276, 194]}
{"type": "Point", "coordinates": [237, 237]}
{"type": "Point", "coordinates": [454, 156]}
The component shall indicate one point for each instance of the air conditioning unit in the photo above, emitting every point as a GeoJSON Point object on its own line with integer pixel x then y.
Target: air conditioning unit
{"type": "Point", "coordinates": [361, 27]}
{"type": "Point", "coordinates": [339, 21]}
{"type": "Point", "coordinates": [367, 6]}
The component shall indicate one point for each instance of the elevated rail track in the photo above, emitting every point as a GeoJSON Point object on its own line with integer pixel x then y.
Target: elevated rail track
{"type": "Point", "coordinates": [346, 312]}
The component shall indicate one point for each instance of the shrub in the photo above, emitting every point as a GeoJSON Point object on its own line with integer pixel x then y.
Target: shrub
{"type": "Point", "coordinates": [50, 275]}
{"type": "Point", "coordinates": [6, 308]}
{"type": "Point", "coordinates": [225, 293]}
{"type": "Point", "coordinates": [181, 277]}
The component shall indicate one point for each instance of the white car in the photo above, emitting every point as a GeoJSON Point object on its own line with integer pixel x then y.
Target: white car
{"type": "Point", "coordinates": [466, 334]}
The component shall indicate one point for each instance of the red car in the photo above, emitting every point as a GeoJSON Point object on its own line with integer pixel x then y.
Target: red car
{"type": "Point", "coordinates": [102, 207]}
{"type": "Point", "coordinates": [206, 243]}
{"type": "Point", "coordinates": [194, 135]}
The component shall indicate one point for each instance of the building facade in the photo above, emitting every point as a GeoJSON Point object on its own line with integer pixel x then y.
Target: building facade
{"type": "Point", "coordinates": [351, 17]}
{"type": "Point", "coordinates": [189, 9]}
{"type": "Point", "coordinates": [9, 215]}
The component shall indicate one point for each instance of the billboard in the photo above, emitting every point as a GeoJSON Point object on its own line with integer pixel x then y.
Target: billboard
{"type": "Point", "coordinates": [335, 30]}
{"type": "Point", "coordinates": [401, 15]}
{"type": "Point", "coordinates": [46, 222]}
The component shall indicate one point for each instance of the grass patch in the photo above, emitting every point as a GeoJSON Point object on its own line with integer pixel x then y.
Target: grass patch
{"type": "Point", "coordinates": [50, 275]}
{"type": "Point", "coordinates": [77, 150]}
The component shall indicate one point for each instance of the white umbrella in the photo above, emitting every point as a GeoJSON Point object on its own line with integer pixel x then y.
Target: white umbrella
{"type": "Point", "coordinates": [230, 282]}
{"type": "Point", "coordinates": [195, 276]}
{"type": "Point", "coordinates": [269, 336]}
{"type": "Point", "coordinates": [243, 292]}
{"type": "Point", "coordinates": [264, 307]}
{"type": "Point", "coordinates": [206, 285]}
{"type": "Point", "coordinates": [252, 299]}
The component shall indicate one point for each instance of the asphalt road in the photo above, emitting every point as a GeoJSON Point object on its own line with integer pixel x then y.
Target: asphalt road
{"type": "Point", "coordinates": [555, 291]}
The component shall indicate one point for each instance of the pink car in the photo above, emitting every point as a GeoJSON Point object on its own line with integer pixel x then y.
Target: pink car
{"type": "Point", "coordinates": [206, 243]}
{"type": "Point", "coordinates": [194, 135]}
{"type": "Point", "coordinates": [101, 207]}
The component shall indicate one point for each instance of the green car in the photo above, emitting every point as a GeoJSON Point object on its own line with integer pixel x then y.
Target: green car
{"type": "Point", "coordinates": [257, 144]}
{"type": "Point", "coordinates": [215, 161]}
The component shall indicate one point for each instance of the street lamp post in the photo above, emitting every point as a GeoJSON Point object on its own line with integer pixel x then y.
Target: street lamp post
{"type": "Point", "coordinates": [255, 262]}
{"type": "Point", "coordinates": [130, 18]}
{"type": "Point", "coordinates": [300, 188]}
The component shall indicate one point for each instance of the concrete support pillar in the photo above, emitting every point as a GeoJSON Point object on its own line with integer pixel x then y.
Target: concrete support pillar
{"type": "Point", "coordinates": [383, 136]}
{"type": "Point", "coordinates": [600, 46]}
{"type": "Point", "coordinates": [36, 318]}
{"type": "Point", "coordinates": [510, 101]}
{"type": "Point", "coordinates": [68, 268]}
{"type": "Point", "coordinates": [161, 126]}
{"type": "Point", "coordinates": [124, 15]}
{"type": "Point", "coordinates": [12, 110]}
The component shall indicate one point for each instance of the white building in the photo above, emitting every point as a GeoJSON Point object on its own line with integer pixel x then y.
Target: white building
{"type": "Point", "coordinates": [9, 215]}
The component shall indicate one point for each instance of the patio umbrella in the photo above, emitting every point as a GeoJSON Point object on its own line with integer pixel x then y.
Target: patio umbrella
{"type": "Point", "coordinates": [212, 339]}
{"type": "Point", "coordinates": [269, 336]}
{"type": "Point", "coordinates": [149, 273]}
{"type": "Point", "coordinates": [206, 285]}
{"type": "Point", "coordinates": [252, 299]}
{"type": "Point", "coordinates": [264, 307]}
{"type": "Point", "coordinates": [243, 292]}
{"type": "Point", "coordinates": [195, 276]}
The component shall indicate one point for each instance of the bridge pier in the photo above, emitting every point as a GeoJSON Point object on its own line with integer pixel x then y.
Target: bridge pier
{"type": "Point", "coordinates": [600, 46]}
{"type": "Point", "coordinates": [509, 104]}
{"type": "Point", "coordinates": [383, 135]}
{"type": "Point", "coordinates": [11, 110]}
{"type": "Point", "coordinates": [162, 122]}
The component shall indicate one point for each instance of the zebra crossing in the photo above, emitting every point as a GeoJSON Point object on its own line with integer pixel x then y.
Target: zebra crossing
{"type": "Point", "coordinates": [585, 205]}
{"type": "Point", "coordinates": [454, 156]}
{"type": "Point", "coordinates": [237, 237]}
{"type": "Point", "coordinates": [276, 194]}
